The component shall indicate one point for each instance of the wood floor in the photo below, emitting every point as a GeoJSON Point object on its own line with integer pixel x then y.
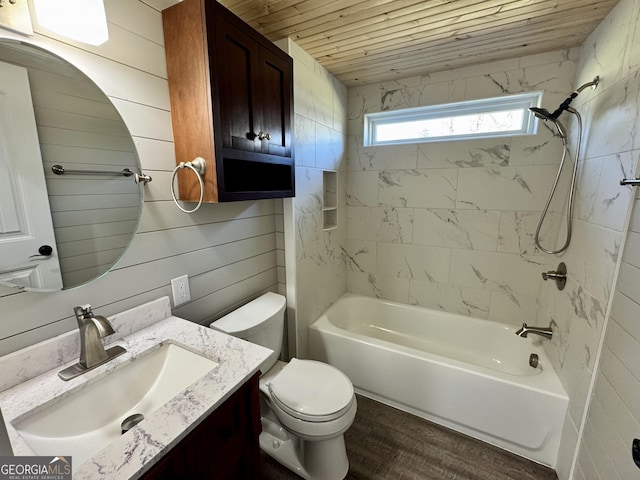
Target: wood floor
{"type": "Point", "coordinates": [386, 443]}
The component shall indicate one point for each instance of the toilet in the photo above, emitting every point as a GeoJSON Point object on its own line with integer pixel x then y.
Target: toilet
{"type": "Point", "coordinates": [305, 405]}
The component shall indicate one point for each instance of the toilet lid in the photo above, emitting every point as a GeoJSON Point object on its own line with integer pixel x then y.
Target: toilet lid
{"type": "Point", "coordinates": [312, 391]}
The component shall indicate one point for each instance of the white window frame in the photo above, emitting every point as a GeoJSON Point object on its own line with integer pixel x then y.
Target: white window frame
{"type": "Point", "coordinates": [486, 105]}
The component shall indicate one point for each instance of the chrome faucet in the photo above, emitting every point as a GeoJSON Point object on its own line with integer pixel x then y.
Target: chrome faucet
{"type": "Point", "coordinates": [92, 352]}
{"type": "Point", "coordinates": [542, 331]}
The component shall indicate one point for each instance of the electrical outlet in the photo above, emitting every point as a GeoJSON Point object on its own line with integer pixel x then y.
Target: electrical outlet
{"type": "Point", "coordinates": [180, 290]}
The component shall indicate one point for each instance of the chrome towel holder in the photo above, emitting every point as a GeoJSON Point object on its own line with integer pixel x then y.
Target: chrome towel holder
{"type": "Point", "coordinates": [634, 182]}
{"type": "Point", "coordinates": [137, 177]}
{"type": "Point", "coordinates": [199, 166]}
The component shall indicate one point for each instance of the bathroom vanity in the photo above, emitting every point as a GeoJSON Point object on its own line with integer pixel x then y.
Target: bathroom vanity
{"type": "Point", "coordinates": [224, 446]}
{"type": "Point", "coordinates": [208, 428]}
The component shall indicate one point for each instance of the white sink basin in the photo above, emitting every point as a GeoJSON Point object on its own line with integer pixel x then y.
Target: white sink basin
{"type": "Point", "coordinates": [87, 420]}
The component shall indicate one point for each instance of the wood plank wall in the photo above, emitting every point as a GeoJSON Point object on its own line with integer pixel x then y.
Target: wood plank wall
{"type": "Point", "coordinates": [229, 251]}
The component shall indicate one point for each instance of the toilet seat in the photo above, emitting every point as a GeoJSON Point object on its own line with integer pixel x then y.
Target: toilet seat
{"type": "Point", "coordinates": [312, 391]}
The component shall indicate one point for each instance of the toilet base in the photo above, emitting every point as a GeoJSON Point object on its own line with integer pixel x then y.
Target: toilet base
{"type": "Point", "coordinates": [321, 460]}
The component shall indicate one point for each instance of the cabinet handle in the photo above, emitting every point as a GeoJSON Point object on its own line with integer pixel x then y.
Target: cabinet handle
{"type": "Point", "coordinates": [262, 136]}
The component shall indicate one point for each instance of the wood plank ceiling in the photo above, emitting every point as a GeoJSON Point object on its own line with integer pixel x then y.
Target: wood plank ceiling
{"type": "Point", "coordinates": [364, 41]}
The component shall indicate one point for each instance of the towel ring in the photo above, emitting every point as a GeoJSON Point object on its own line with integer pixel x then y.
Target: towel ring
{"type": "Point", "coordinates": [199, 166]}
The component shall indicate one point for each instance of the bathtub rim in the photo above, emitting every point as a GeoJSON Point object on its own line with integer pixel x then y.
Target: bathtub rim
{"type": "Point", "coordinates": [547, 380]}
{"type": "Point", "coordinates": [546, 419]}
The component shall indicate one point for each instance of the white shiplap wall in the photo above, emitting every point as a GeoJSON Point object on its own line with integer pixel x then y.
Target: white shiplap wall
{"type": "Point", "coordinates": [228, 250]}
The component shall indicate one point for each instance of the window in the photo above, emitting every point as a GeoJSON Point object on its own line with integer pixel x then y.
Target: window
{"type": "Point", "coordinates": [490, 117]}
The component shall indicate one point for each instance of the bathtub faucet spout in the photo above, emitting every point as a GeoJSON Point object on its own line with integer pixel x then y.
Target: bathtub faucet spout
{"type": "Point", "coordinates": [542, 331]}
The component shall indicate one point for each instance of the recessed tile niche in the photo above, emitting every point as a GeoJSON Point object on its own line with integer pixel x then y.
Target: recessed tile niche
{"type": "Point", "coordinates": [329, 199]}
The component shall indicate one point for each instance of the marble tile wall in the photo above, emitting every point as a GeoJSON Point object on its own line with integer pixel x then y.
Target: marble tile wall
{"type": "Point", "coordinates": [315, 272]}
{"type": "Point", "coordinates": [613, 417]}
{"type": "Point", "coordinates": [449, 225]}
{"type": "Point", "coordinates": [605, 430]}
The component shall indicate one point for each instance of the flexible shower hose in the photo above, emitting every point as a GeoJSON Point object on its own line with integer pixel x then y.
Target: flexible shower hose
{"type": "Point", "coordinates": [569, 217]}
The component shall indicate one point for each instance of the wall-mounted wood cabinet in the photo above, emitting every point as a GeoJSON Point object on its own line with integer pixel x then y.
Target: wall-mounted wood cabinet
{"type": "Point", "coordinates": [231, 95]}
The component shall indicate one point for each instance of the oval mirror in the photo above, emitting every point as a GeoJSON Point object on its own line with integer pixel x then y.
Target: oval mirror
{"type": "Point", "coordinates": [59, 231]}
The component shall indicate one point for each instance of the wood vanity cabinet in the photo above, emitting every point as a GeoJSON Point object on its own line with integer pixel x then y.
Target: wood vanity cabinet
{"type": "Point", "coordinates": [231, 94]}
{"type": "Point", "coordinates": [223, 447]}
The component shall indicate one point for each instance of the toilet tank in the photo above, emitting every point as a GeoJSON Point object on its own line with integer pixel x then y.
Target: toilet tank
{"type": "Point", "coordinates": [260, 321]}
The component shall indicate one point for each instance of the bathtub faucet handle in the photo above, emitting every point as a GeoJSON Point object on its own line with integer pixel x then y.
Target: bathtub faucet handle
{"type": "Point", "coordinates": [559, 275]}
{"type": "Point", "coordinates": [551, 274]}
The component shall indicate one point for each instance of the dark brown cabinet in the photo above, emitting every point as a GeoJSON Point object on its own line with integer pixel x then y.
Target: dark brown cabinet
{"type": "Point", "coordinates": [254, 83]}
{"type": "Point", "coordinates": [231, 95]}
{"type": "Point", "coordinates": [223, 447]}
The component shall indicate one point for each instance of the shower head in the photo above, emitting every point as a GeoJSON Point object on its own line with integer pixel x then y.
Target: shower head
{"type": "Point", "coordinates": [544, 114]}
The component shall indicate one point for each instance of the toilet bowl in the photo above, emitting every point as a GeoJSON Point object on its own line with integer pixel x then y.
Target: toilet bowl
{"type": "Point", "coordinates": [306, 406]}
{"type": "Point", "coordinates": [311, 399]}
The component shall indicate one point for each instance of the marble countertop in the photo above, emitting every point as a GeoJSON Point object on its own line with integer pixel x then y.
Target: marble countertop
{"type": "Point", "coordinates": [131, 455]}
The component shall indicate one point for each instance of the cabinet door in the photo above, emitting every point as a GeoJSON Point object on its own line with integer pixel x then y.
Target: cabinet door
{"type": "Point", "coordinates": [275, 101]}
{"type": "Point", "coordinates": [236, 63]}
{"type": "Point", "coordinates": [225, 446]}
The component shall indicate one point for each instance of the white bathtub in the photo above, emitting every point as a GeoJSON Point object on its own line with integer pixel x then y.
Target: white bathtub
{"type": "Point", "coordinates": [467, 374]}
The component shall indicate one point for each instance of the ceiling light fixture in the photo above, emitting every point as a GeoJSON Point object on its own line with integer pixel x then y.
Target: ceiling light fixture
{"type": "Point", "coordinates": [81, 20]}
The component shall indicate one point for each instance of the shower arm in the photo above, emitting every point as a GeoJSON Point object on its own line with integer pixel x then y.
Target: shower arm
{"type": "Point", "coordinates": [593, 84]}
{"type": "Point", "coordinates": [565, 105]}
